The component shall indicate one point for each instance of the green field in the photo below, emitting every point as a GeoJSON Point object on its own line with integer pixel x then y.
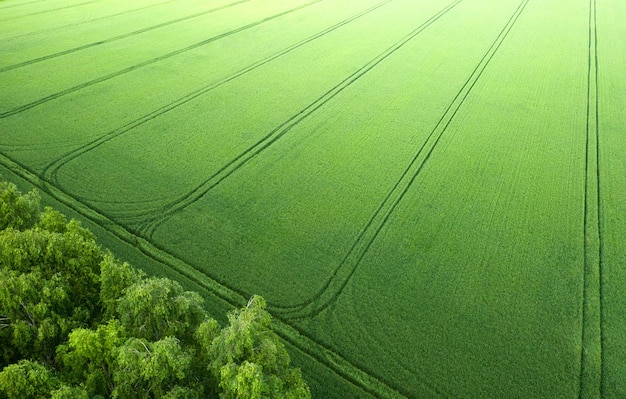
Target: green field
{"type": "Point", "coordinates": [430, 194]}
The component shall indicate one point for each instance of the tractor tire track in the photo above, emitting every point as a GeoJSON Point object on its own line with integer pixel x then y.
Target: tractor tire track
{"type": "Point", "coordinates": [21, 4]}
{"type": "Point", "coordinates": [340, 277]}
{"type": "Point", "coordinates": [151, 224]}
{"type": "Point", "coordinates": [592, 373]}
{"type": "Point", "coordinates": [327, 357]}
{"type": "Point", "coordinates": [152, 61]}
{"type": "Point", "coordinates": [58, 28]}
{"type": "Point", "coordinates": [49, 11]}
{"type": "Point", "coordinates": [50, 172]}
{"type": "Point", "coordinates": [119, 37]}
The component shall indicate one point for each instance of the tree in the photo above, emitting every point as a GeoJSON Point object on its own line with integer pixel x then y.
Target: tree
{"type": "Point", "coordinates": [66, 392]}
{"type": "Point", "coordinates": [49, 285]}
{"type": "Point", "coordinates": [115, 277]}
{"type": "Point", "coordinates": [156, 308]}
{"type": "Point", "coordinates": [30, 306]}
{"type": "Point", "coordinates": [77, 323]}
{"type": "Point", "coordinates": [249, 361]}
{"type": "Point", "coordinates": [17, 211]}
{"type": "Point", "coordinates": [27, 379]}
{"type": "Point", "coordinates": [88, 358]}
{"type": "Point", "coordinates": [152, 370]}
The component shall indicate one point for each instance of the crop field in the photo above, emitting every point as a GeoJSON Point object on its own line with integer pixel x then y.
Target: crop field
{"type": "Point", "coordinates": [430, 194]}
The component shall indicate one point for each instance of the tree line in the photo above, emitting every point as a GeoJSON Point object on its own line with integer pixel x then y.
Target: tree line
{"type": "Point", "coordinates": [77, 323]}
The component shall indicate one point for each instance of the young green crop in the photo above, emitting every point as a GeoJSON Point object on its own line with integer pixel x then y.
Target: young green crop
{"type": "Point", "coordinates": [426, 192]}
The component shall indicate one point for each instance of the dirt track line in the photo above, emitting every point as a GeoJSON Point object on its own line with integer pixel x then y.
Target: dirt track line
{"type": "Point", "coordinates": [277, 133]}
{"type": "Point", "coordinates": [151, 61]}
{"type": "Point", "coordinates": [119, 37]}
{"type": "Point", "coordinates": [592, 375]}
{"type": "Point", "coordinates": [58, 28]}
{"type": "Point", "coordinates": [323, 355]}
{"type": "Point", "coordinates": [333, 287]}
{"type": "Point", "coordinates": [50, 171]}
{"type": "Point", "coordinates": [48, 11]}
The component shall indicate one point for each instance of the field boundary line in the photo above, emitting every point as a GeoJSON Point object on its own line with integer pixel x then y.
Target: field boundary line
{"type": "Point", "coordinates": [151, 224]}
{"type": "Point", "coordinates": [51, 10]}
{"type": "Point", "coordinates": [194, 46]}
{"type": "Point", "coordinates": [119, 37]}
{"type": "Point", "coordinates": [51, 170]}
{"type": "Point", "coordinates": [592, 375]}
{"type": "Point", "coordinates": [320, 353]}
{"type": "Point", "coordinates": [338, 280]}
{"type": "Point", "coordinates": [62, 27]}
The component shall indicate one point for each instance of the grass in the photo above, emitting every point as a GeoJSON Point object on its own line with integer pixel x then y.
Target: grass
{"type": "Point", "coordinates": [423, 191]}
{"type": "Point", "coordinates": [612, 208]}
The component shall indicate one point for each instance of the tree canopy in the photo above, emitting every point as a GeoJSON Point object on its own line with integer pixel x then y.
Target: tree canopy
{"type": "Point", "coordinates": [77, 323]}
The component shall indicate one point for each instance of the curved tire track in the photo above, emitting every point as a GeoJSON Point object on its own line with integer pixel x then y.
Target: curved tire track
{"type": "Point", "coordinates": [109, 76]}
{"type": "Point", "coordinates": [119, 37]}
{"type": "Point", "coordinates": [50, 172]}
{"type": "Point", "coordinates": [366, 381]}
{"type": "Point", "coordinates": [340, 277]}
{"type": "Point", "coordinates": [151, 224]}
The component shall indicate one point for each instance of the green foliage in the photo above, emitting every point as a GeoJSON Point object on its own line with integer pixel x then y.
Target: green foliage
{"type": "Point", "coordinates": [245, 381]}
{"type": "Point", "coordinates": [55, 221]}
{"type": "Point", "coordinates": [158, 307]}
{"type": "Point", "coordinates": [88, 358]}
{"type": "Point", "coordinates": [150, 369]}
{"type": "Point", "coordinates": [206, 333]}
{"type": "Point", "coordinates": [17, 211]}
{"type": "Point", "coordinates": [250, 361]}
{"type": "Point", "coordinates": [92, 326]}
{"type": "Point", "coordinates": [66, 392]}
{"type": "Point", "coordinates": [49, 285]}
{"type": "Point", "coordinates": [115, 277]}
{"type": "Point", "coordinates": [27, 379]}
{"type": "Point", "coordinates": [37, 314]}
